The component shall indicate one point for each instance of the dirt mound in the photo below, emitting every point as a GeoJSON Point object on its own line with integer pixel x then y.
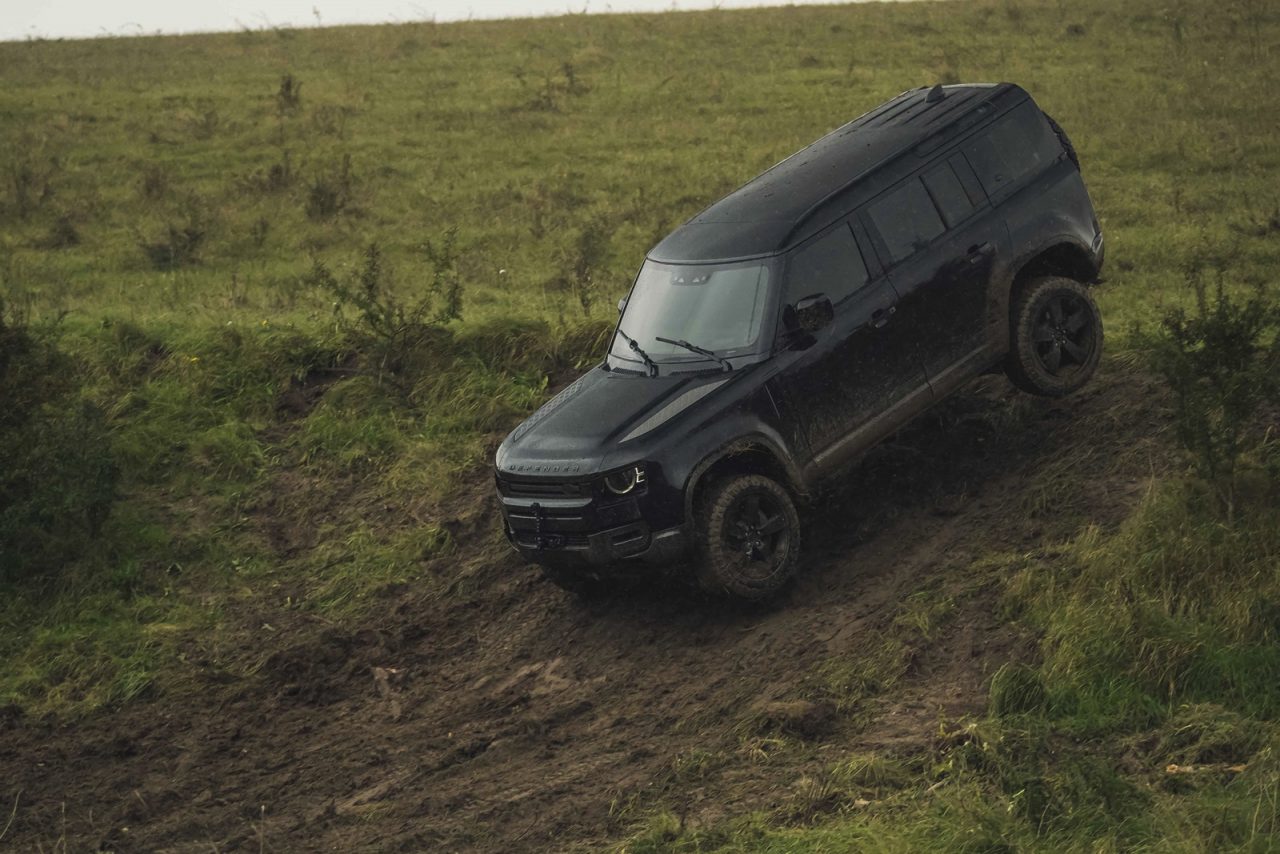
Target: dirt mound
{"type": "Point", "coordinates": [517, 718]}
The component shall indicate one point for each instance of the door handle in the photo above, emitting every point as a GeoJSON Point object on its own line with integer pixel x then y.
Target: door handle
{"type": "Point", "coordinates": [979, 253]}
{"type": "Point", "coordinates": [881, 316]}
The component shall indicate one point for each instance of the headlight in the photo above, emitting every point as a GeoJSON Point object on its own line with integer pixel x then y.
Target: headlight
{"type": "Point", "coordinates": [622, 482]}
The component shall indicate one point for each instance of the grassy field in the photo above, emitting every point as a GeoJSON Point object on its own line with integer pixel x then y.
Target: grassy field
{"type": "Point", "coordinates": [307, 279]}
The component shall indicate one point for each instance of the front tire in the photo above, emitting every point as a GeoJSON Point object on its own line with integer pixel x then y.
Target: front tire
{"type": "Point", "coordinates": [748, 537]}
{"type": "Point", "coordinates": [1056, 337]}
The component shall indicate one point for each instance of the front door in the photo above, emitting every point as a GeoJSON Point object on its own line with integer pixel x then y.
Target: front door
{"type": "Point", "coordinates": [861, 364]}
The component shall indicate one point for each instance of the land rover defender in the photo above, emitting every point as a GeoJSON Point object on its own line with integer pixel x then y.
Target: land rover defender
{"type": "Point", "coordinates": [794, 323]}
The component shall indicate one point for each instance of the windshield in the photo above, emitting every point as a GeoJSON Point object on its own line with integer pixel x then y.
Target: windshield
{"type": "Point", "coordinates": [717, 307]}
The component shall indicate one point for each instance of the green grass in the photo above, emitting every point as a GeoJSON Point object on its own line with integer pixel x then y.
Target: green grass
{"type": "Point", "coordinates": [1149, 723]}
{"type": "Point", "coordinates": [1179, 606]}
{"type": "Point", "coordinates": [169, 201]}
{"type": "Point", "coordinates": [444, 126]}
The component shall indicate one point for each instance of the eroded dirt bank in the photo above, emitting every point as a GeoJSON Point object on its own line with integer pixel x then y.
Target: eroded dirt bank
{"type": "Point", "coordinates": [513, 717]}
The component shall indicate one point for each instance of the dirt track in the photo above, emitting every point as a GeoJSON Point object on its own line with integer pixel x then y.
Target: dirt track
{"type": "Point", "coordinates": [514, 717]}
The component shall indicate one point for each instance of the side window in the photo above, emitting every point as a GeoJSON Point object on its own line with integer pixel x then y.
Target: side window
{"type": "Point", "coordinates": [1020, 143]}
{"type": "Point", "coordinates": [831, 265]}
{"type": "Point", "coordinates": [906, 219]}
{"type": "Point", "coordinates": [948, 193]}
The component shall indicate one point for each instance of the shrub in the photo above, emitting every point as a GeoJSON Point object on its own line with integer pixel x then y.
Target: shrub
{"type": "Point", "coordinates": [394, 334]}
{"type": "Point", "coordinates": [57, 476]}
{"type": "Point", "coordinates": [275, 178]}
{"type": "Point", "coordinates": [61, 235]}
{"type": "Point", "coordinates": [180, 242]}
{"type": "Point", "coordinates": [289, 95]}
{"type": "Point", "coordinates": [330, 192]}
{"type": "Point", "coordinates": [1221, 369]}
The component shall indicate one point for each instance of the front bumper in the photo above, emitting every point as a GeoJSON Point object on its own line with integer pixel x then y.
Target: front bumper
{"type": "Point", "coordinates": [633, 543]}
{"type": "Point", "coordinates": [574, 525]}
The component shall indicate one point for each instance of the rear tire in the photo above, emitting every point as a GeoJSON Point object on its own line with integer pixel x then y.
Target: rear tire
{"type": "Point", "coordinates": [748, 537]}
{"type": "Point", "coordinates": [1056, 337]}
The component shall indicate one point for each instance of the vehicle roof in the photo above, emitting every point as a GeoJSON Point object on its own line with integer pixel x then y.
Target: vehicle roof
{"type": "Point", "coordinates": [791, 201]}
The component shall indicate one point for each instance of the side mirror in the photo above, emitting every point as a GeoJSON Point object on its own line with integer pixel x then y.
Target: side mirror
{"type": "Point", "coordinates": [813, 313]}
{"type": "Point", "coordinates": [622, 305]}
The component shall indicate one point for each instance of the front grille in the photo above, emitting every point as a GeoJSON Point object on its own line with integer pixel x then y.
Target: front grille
{"type": "Point", "coordinates": [548, 514]}
{"type": "Point", "coordinates": [537, 489]}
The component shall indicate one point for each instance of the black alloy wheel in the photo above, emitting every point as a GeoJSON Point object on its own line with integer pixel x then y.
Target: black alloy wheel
{"type": "Point", "coordinates": [755, 529]}
{"type": "Point", "coordinates": [1055, 337]}
{"type": "Point", "coordinates": [749, 537]}
{"type": "Point", "coordinates": [1064, 336]}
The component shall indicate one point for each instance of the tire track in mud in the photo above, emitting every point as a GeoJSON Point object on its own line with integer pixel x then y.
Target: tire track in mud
{"type": "Point", "coordinates": [517, 718]}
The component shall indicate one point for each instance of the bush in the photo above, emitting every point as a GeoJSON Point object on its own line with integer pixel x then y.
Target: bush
{"type": "Point", "coordinates": [178, 248]}
{"type": "Point", "coordinates": [330, 191]}
{"type": "Point", "coordinates": [1221, 369]}
{"type": "Point", "coordinates": [277, 177]}
{"type": "Point", "coordinates": [395, 335]}
{"type": "Point", "coordinates": [57, 476]}
{"type": "Point", "coordinates": [289, 95]}
{"type": "Point", "coordinates": [61, 235]}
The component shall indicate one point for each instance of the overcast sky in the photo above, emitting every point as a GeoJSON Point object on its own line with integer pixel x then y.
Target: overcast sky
{"type": "Point", "coordinates": [20, 19]}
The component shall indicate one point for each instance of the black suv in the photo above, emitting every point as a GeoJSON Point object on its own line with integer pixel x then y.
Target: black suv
{"type": "Point", "coordinates": [799, 320]}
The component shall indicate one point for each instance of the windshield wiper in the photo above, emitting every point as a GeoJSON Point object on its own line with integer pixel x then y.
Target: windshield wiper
{"type": "Point", "coordinates": [694, 348]}
{"type": "Point", "coordinates": [649, 363]}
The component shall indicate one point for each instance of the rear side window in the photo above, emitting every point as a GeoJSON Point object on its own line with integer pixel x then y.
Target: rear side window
{"type": "Point", "coordinates": [1019, 144]}
{"type": "Point", "coordinates": [948, 194]}
{"type": "Point", "coordinates": [830, 265]}
{"type": "Point", "coordinates": [906, 219]}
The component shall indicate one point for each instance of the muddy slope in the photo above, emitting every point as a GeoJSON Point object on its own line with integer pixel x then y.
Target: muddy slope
{"type": "Point", "coordinates": [514, 717]}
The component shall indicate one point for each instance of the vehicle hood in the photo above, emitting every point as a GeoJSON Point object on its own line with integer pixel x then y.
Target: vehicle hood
{"type": "Point", "coordinates": [600, 420]}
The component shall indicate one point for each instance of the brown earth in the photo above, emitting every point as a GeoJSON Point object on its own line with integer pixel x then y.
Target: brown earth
{"type": "Point", "coordinates": [509, 716]}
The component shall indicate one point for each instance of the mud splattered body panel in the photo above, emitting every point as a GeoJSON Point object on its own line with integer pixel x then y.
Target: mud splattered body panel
{"type": "Point", "coordinates": [904, 233]}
